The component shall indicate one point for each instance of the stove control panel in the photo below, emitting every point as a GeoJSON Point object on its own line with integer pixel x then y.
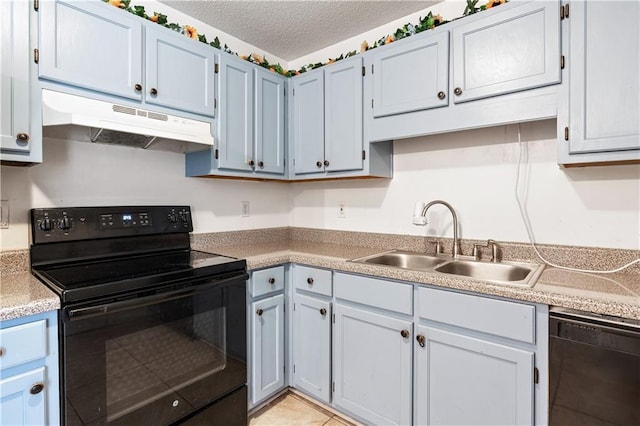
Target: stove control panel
{"type": "Point", "coordinates": [83, 223]}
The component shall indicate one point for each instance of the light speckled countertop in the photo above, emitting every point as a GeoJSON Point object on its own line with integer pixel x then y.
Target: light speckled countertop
{"type": "Point", "coordinates": [618, 294]}
{"type": "Point", "coordinates": [611, 294]}
{"type": "Point", "coordinates": [21, 294]}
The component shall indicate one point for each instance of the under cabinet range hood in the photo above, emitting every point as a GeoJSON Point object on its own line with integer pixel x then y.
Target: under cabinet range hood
{"type": "Point", "coordinates": [108, 122]}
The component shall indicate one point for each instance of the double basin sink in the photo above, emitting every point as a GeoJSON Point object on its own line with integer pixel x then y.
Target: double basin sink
{"type": "Point", "coordinates": [513, 273]}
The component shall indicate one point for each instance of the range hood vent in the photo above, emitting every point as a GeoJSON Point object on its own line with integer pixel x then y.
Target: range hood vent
{"type": "Point", "coordinates": [121, 124]}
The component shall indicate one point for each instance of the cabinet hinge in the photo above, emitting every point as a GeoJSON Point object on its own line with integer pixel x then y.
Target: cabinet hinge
{"type": "Point", "coordinates": [363, 71]}
{"type": "Point", "coordinates": [371, 68]}
{"type": "Point", "coordinates": [215, 103]}
{"type": "Point", "coordinates": [217, 154]}
{"type": "Point", "coordinates": [334, 318]}
{"type": "Point", "coordinates": [562, 62]}
{"type": "Point", "coordinates": [364, 154]}
{"type": "Point", "coordinates": [371, 103]}
{"type": "Point", "coordinates": [566, 11]}
{"type": "Point", "coordinates": [36, 5]}
{"type": "Point", "coordinates": [294, 91]}
{"type": "Point", "coordinates": [536, 375]}
{"type": "Point", "coordinates": [294, 369]}
{"type": "Point", "coordinates": [566, 133]}
{"type": "Point", "coordinates": [216, 69]}
{"type": "Point", "coordinates": [333, 387]}
{"type": "Point", "coordinates": [36, 55]}
{"type": "Point", "coordinates": [294, 306]}
{"type": "Point", "coordinates": [561, 12]}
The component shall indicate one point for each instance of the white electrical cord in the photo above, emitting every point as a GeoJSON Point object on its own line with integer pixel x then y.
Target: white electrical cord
{"type": "Point", "coordinates": [524, 149]}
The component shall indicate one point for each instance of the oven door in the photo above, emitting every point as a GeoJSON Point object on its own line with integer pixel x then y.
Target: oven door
{"type": "Point", "coordinates": [156, 358]}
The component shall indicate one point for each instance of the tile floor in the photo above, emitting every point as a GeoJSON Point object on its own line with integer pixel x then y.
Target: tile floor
{"type": "Point", "coordinates": [291, 409]}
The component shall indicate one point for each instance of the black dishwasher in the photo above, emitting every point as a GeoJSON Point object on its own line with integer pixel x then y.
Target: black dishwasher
{"type": "Point", "coordinates": [594, 369]}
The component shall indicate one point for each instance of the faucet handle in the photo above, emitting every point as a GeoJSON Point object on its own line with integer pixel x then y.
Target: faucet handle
{"type": "Point", "coordinates": [494, 250]}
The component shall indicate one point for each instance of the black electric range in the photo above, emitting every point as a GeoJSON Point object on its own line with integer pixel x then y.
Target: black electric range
{"type": "Point", "coordinates": [151, 332]}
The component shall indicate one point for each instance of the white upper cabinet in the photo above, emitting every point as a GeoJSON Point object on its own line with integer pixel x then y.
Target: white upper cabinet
{"type": "Point", "coordinates": [269, 122]}
{"type": "Point", "coordinates": [598, 116]}
{"type": "Point", "coordinates": [308, 123]}
{"type": "Point", "coordinates": [327, 126]}
{"type": "Point", "coordinates": [235, 120]}
{"type": "Point", "coordinates": [343, 116]}
{"type": "Point", "coordinates": [20, 130]}
{"type": "Point", "coordinates": [411, 76]}
{"type": "Point", "coordinates": [513, 50]}
{"type": "Point", "coordinates": [92, 45]}
{"type": "Point", "coordinates": [179, 72]}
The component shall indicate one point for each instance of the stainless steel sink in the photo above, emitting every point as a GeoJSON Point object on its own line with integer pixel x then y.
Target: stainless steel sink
{"type": "Point", "coordinates": [403, 259]}
{"type": "Point", "coordinates": [514, 273]}
{"type": "Point", "coordinates": [503, 272]}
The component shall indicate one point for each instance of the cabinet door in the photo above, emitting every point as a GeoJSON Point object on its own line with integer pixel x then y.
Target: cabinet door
{"type": "Point", "coordinates": [410, 76]}
{"type": "Point", "coordinates": [463, 380]}
{"type": "Point", "coordinates": [180, 72]}
{"type": "Point", "coordinates": [15, 113]}
{"type": "Point", "coordinates": [604, 77]}
{"type": "Point", "coordinates": [372, 365]}
{"type": "Point", "coordinates": [91, 44]}
{"type": "Point", "coordinates": [312, 346]}
{"type": "Point", "coordinates": [343, 115]}
{"type": "Point", "coordinates": [235, 113]}
{"type": "Point", "coordinates": [308, 123]}
{"type": "Point", "coordinates": [507, 51]}
{"type": "Point", "coordinates": [267, 358]}
{"type": "Point", "coordinates": [269, 122]}
{"type": "Point", "coordinates": [17, 405]}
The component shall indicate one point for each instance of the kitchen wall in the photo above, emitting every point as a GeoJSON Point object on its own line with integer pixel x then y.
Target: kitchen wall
{"type": "Point", "coordinates": [475, 171]}
{"type": "Point", "coordinates": [85, 174]}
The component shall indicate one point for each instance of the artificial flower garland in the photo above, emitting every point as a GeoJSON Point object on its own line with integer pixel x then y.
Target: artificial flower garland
{"type": "Point", "coordinates": [427, 23]}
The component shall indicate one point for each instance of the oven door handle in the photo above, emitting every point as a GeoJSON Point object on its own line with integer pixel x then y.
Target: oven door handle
{"type": "Point", "coordinates": [109, 308]}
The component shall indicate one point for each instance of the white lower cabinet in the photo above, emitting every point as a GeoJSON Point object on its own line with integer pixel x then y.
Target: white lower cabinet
{"type": "Point", "coordinates": [18, 403]}
{"type": "Point", "coordinates": [267, 334]}
{"type": "Point", "coordinates": [312, 346]}
{"type": "Point", "coordinates": [268, 347]}
{"type": "Point", "coordinates": [395, 353]}
{"type": "Point", "coordinates": [29, 391]}
{"type": "Point", "coordinates": [372, 365]}
{"type": "Point", "coordinates": [462, 380]}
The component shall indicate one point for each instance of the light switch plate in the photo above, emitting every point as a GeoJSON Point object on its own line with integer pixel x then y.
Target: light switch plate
{"type": "Point", "coordinates": [4, 214]}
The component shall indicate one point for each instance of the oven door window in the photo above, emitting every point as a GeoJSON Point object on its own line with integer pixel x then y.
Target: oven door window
{"type": "Point", "coordinates": [154, 359]}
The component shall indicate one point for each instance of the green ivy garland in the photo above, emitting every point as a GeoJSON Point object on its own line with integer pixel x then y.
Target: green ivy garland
{"type": "Point", "coordinates": [427, 23]}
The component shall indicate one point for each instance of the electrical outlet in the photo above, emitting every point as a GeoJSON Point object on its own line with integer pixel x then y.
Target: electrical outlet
{"type": "Point", "coordinates": [245, 208]}
{"type": "Point", "coordinates": [342, 212]}
{"type": "Point", "coordinates": [4, 214]}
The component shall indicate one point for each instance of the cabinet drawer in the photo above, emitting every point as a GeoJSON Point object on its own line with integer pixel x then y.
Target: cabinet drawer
{"type": "Point", "coordinates": [267, 281]}
{"type": "Point", "coordinates": [312, 279]}
{"type": "Point", "coordinates": [374, 292]}
{"type": "Point", "coordinates": [23, 343]}
{"type": "Point", "coordinates": [501, 318]}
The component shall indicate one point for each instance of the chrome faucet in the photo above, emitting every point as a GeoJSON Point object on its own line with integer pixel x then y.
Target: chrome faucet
{"type": "Point", "coordinates": [456, 249]}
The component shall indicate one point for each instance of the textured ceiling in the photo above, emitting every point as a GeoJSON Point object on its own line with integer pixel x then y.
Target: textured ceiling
{"type": "Point", "coordinates": [291, 29]}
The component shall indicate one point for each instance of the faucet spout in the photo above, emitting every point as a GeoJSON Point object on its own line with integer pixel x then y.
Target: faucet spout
{"type": "Point", "coordinates": [455, 251]}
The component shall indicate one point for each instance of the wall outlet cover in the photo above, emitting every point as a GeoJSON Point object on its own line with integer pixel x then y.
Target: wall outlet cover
{"type": "Point", "coordinates": [244, 208]}
{"type": "Point", "coordinates": [4, 214]}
